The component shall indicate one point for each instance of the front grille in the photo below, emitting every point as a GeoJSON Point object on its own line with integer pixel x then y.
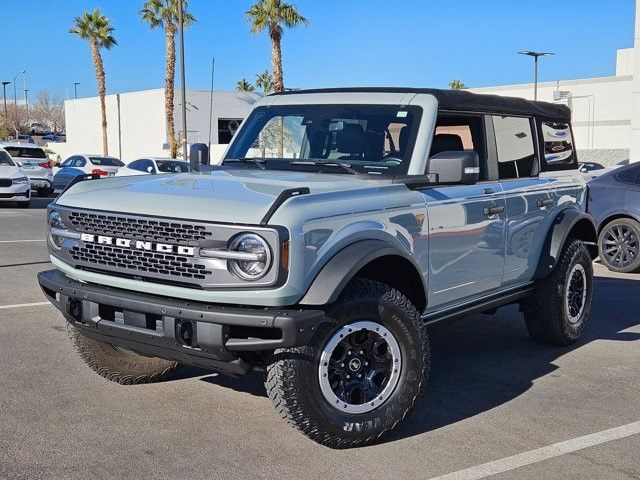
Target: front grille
{"type": "Point", "coordinates": [143, 262]}
{"type": "Point", "coordinates": [5, 182]}
{"type": "Point", "coordinates": [162, 231]}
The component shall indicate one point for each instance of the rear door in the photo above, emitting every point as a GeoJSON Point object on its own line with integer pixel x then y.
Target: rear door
{"type": "Point", "coordinates": [466, 222]}
{"type": "Point", "coordinates": [530, 198]}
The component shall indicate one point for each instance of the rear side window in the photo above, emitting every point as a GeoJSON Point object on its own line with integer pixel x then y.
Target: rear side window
{"type": "Point", "coordinates": [559, 152]}
{"type": "Point", "coordinates": [515, 147]}
{"type": "Point", "coordinates": [630, 175]}
{"type": "Point", "coordinates": [5, 159]}
{"type": "Point", "coordinates": [23, 152]}
{"type": "Point", "coordinates": [106, 162]}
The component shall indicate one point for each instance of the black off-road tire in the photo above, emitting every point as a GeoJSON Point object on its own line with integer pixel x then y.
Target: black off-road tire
{"type": "Point", "coordinates": [293, 378]}
{"type": "Point", "coordinates": [123, 367]}
{"type": "Point", "coordinates": [629, 229]}
{"type": "Point", "coordinates": [547, 311]}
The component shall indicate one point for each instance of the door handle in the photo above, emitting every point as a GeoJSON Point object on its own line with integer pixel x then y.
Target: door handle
{"type": "Point", "coordinates": [488, 191]}
{"type": "Point", "coordinates": [488, 211]}
{"type": "Point", "coordinates": [547, 202]}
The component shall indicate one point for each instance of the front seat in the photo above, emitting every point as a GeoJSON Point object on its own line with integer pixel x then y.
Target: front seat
{"type": "Point", "coordinates": [351, 142]}
{"type": "Point", "coordinates": [445, 142]}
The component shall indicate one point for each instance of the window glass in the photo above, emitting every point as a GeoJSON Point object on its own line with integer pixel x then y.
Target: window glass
{"type": "Point", "coordinates": [462, 131]}
{"type": "Point", "coordinates": [106, 162]}
{"type": "Point", "coordinates": [68, 162]}
{"type": "Point", "coordinates": [80, 162]}
{"type": "Point", "coordinates": [173, 166]}
{"type": "Point", "coordinates": [25, 152]}
{"type": "Point", "coordinates": [135, 165]}
{"type": "Point", "coordinates": [558, 144]}
{"type": "Point", "coordinates": [515, 146]}
{"type": "Point", "coordinates": [630, 175]}
{"type": "Point", "coordinates": [5, 159]}
{"type": "Point", "coordinates": [372, 139]}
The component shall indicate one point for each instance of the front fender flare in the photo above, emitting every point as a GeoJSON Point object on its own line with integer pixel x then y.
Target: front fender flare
{"type": "Point", "coordinates": [568, 221]}
{"type": "Point", "coordinates": [344, 265]}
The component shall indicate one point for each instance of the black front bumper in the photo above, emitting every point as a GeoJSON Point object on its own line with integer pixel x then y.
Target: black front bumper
{"type": "Point", "coordinates": [197, 333]}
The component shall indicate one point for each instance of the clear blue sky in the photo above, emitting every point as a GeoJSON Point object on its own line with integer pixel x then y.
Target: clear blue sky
{"type": "Point", "coordinates": [349, 42]}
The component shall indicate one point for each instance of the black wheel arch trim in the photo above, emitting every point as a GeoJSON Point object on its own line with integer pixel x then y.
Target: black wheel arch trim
{"type": "Point", "coordinates": [345, 264]}
{"type": "Point", "coordinates": [567, 221]}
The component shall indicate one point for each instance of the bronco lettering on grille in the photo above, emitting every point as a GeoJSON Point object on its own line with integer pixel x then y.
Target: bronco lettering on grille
{"type": "Point", "coordinates": [138, 244]}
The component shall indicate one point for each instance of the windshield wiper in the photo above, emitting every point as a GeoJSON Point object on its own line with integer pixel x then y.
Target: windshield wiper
{"type": "Point", "coordinates": [331, 163]}
{"type": "Point", "coordinates": [258, 161]}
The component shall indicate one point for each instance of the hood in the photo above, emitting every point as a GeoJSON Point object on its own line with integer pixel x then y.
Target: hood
{"type": "Point", "coordinates": [228, 196]}
{"type": "Point", "coordinates": [11, 172]}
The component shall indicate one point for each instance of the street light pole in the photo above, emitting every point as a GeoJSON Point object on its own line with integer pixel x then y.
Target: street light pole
{"type": "Point", "coordinates": [26, 97]}
{"type": "Point", "coordinates": [4, 96]}
{"type": "Point", "coordinates": [213, 69]}
{"type": "Point", "coordinates": [535, 56]}
{"type": "Point", "coordinates": [75, 90]}
{"type": "Point", "coordinates": [183, 88]}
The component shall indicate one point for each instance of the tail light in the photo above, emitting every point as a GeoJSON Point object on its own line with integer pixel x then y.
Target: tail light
{"type": "Point", "coordinates": [45, 165]}
{"type": "Point", "coordinates": [99, 171]}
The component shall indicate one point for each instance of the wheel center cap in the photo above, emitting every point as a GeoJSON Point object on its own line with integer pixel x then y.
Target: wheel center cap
{"type": "Point", "coordinates": [355, 364]}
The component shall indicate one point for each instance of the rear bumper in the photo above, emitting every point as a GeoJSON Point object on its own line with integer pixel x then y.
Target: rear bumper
{"type": "Point", "coordinates": [197, 333]}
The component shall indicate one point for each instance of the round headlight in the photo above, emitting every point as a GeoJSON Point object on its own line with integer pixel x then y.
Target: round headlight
{"type": "Point", "coordinates": [55, 221]}
{"type": "Point", "coordinates": [257, 256]}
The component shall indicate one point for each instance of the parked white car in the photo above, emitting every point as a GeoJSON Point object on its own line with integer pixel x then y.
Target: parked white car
{"type": "Point", "coordinates": [154, 166]}
{"type": "Point", "coordinates": [83, 164]}
{"type": "Point", "coordinates": [15, 186]}
{"type": "Point", "coordinates": [35, 164]}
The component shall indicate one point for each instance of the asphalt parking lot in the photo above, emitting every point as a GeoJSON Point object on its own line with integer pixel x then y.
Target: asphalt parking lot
{"type": "Point", "coordinates": [496, 402]}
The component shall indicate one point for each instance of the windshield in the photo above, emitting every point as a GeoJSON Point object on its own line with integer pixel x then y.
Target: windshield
{"type": "Point", "coordinates": [370, 139]}
{"type": "Point", "coordinates": [25, 152]}
{"type": "Point", "coordinates": [106, 162]}
{"type": "Point", "coordinates": [5, 160]}
{"type": "Point", "coordinates": [173, 166]}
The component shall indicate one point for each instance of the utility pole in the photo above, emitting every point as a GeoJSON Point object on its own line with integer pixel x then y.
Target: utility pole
{"type": "Point", "coordinates": [4, 97]}
{"type": "Point", "coordinates": [15, 100]}
{"type": "Point", "coordinates": [213, 69]}
{"type": "Point", "coordinates": [535, 56]}
{"type": "Point", "coordinates": [26, 98]}
{"type": "Point", "coordinates": [183, 87]}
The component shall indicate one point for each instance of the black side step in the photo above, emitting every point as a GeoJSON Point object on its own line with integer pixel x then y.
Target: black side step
{"type": "Point", "coordinates": [283, 197]}
{"type": "Point", "coordinates": [488, 303]}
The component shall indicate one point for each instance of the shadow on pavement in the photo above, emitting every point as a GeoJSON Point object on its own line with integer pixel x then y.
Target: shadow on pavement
{"type": "Point", "coordinates": [37, 203]}
{"type": "Point", "coordinates": [485, 361]}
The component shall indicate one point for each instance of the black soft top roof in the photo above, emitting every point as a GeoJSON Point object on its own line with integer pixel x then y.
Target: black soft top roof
{"type": "Point", "coordinates": [461, 100]}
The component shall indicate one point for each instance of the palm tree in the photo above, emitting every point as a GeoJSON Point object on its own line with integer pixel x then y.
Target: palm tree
{"type": "Point", "coordinates": [244, 86]}
{"type": "Point", "coordinates": [264, 81]}
{"type": "Point", "coordinates": [457, 85]}
{"type": "Point", "coordinates": [273, 15]}
{"type": "Point", "coordinates": [97, 30]}
{"type": "Point", "coordinates": [165, 14]}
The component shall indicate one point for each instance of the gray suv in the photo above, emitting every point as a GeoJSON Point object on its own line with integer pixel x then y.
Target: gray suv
{"type": "Point", "coordinates": [340, 226]}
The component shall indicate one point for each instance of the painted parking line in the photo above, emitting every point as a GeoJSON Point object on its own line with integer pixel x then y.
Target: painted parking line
{"type": "Point", "coordinates": [22, 305]}
{"type": "Point", "coordinates": [544, 453]}
{"type": "Point", "coordinates": [20, 241]}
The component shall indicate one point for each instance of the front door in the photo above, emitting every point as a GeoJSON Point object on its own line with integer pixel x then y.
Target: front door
{"type": "Point", "coordinates": [466, 236]}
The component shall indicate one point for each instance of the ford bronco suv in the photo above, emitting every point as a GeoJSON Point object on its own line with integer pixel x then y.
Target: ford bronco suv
{"type": "Point", "coordinates": [341, 224]}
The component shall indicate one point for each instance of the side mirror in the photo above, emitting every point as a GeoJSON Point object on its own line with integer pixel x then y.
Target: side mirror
{"type": "Point", "coordinates": [150, 169]}
{"type": "Point", "coordinates": [19, 163]}
{"type": "Point", "coordinates": [198, 155]}
{"type": "Point", "coordinates": [455, 167]}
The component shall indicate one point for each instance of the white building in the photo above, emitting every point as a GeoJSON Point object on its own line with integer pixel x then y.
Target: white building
{"type": "Point", "coordinates": [136, 122]}
{"type": "Point", "coordinates": [601, 108]}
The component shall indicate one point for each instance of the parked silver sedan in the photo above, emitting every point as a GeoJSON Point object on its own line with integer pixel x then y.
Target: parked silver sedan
{"type": "Point", "coordinates": [154, 166]}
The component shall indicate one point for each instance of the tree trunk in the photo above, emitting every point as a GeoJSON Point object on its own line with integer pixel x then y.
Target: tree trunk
{"type": "Point", "coordinates": [102, 91]}
{"type": "Point", "coordinates": [276, 59]}
{"type": "Point", "coordinates": [169, 87]}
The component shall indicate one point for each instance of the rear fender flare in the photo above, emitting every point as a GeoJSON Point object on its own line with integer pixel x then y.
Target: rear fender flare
{"type": "Point", "coordinates": [570, 222]}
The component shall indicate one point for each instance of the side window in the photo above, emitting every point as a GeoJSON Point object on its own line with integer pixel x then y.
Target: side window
{"type": "Point", "coordinates": [145, 166]}
{"type": "Point", "coordinates": [68, 162]}
{"type": "Point", "coordinates": [80, 162]}
{"type": "Point", "coordinates": [515, 147]}
{"type": "Point", "coordinates": [559, 153]}
{"type": "Point", "coordinates": [630, 175]}
{"type": "Point", "coordinates": [458, 132]}
{"type": "Point", "coordinates": [135, 165]}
